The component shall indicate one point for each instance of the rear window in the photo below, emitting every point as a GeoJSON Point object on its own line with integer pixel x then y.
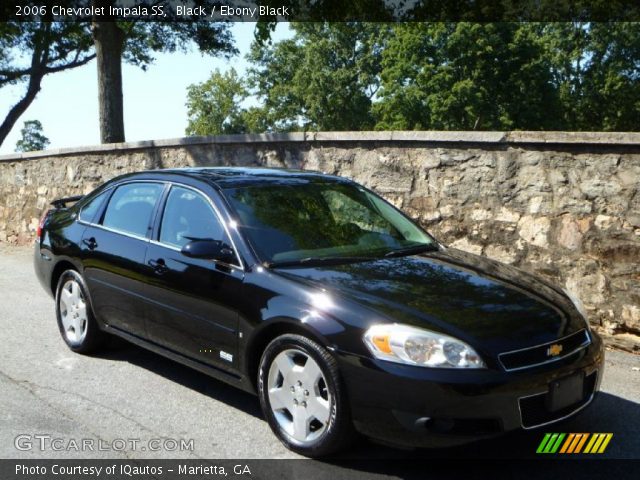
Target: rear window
{"type": "Point", "coordinates": [89, 211]}
{"type": "Point", "coordinates": [131, 206]}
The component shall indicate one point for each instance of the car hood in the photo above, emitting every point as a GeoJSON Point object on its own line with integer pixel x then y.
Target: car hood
{"type": "Point", "coordinates": [470, 297]}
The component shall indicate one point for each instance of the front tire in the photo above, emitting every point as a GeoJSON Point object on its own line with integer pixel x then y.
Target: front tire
{"type": "Point", "coordinates": [301, 396]}
{"type": "Point", "coordinates": [76, 322]}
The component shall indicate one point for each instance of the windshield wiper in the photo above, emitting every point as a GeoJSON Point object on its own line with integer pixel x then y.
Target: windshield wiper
{"type": "Point", "coordinates": [317, 261]}
{"type": "Point", "coordinates": [412, 250]}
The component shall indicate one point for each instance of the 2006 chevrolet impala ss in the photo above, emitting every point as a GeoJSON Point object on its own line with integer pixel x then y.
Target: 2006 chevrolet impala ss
{"type": "Point", "coordinates": [325, 300]}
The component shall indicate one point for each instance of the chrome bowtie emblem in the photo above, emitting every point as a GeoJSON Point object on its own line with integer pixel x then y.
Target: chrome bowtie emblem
{"type": "Point", "coordinates": [554, 350]}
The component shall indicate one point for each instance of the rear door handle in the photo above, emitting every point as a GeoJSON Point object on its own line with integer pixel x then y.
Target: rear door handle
{"type": "Point", "coordinates": [90, 243]}
{"type": "Point", "coordinates": [159, 266]}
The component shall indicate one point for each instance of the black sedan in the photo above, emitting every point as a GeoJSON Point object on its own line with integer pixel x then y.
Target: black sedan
{"type": "Point", "coordinates": [342, 314]}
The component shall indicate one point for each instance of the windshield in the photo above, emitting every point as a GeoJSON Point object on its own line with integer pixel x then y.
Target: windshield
{"type": "Point", "coordinates": [304, 221]}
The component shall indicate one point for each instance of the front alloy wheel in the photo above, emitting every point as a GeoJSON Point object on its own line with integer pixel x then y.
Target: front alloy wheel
{"type": "Point", "coordinates": [298, 396]}
{"type": "Point", "coordinates": [302, 397]}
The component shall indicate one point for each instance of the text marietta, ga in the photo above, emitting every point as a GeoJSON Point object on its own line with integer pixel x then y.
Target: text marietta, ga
{"type": "Point", "coordinates": [128, 470]}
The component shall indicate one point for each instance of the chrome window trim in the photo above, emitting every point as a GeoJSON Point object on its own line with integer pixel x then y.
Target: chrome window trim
{"type": "Point", "coordinates": [218, 216]}
{"type": "Point", "coordinates": [555, 420]}
{"type": "Point", "coordinates": [583, 345]}
{"type": "Point", "coordinates": [115, 230]}
{"type": "Point", "coordinates": [88, 224]}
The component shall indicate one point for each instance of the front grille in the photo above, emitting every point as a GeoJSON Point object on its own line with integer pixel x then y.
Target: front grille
{"type": "Point", "coordinates": [534, 411]}
{"type": "Point", "coordinates": [538, 355]}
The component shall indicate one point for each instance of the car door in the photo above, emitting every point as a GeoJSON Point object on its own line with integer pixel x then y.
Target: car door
{"type": "Point", "coordinates": [193, 307]}
{"type": "Point", "coordinates": [113, 254]}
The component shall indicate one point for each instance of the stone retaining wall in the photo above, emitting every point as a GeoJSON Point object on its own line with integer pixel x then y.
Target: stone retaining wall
{"type": "Point", "coordinates": [563, 205]}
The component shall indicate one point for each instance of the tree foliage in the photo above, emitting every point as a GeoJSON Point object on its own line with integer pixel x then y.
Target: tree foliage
{"type": "Point", "coordinates": [448, 76]}
{"type": "Point", "coordinates": [31, 50]}
{"type": "Point", "coordinates": [596, 69]}
{"type": "Point", "coordinates": [214, 106]}
{"type": "Point", "coordinates": [465, 77]}
{"type": "Point", "coordinates": [322, 79]}
{"type": "Point", "coordinates": [32, 137]}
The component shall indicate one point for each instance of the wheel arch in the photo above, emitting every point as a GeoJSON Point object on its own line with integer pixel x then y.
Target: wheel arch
{"type": "Point", "coordinates": [258, 342]}
{"type": "Point", "coordinates": [61, 267]}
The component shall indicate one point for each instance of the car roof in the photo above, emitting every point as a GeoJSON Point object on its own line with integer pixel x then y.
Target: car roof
{"type": "Point", "coordinates": [230, 177]}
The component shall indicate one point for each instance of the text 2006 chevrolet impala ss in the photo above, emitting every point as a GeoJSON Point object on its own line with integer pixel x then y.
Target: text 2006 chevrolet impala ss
{"type": "Point", "coordinates": [329, 303]}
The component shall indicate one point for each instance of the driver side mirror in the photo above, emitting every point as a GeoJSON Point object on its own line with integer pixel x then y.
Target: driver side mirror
{"type": "Point", "coordinates": [208, 250]}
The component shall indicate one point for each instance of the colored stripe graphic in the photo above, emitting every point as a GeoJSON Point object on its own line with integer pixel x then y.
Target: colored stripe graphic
{"type": "Point", "coordinates": [576, 439]}
{"type": "Point", "coordinates": [543, 443]}
{"type": "Point", "coordinates": [557, 444]}
{"type": "Point", "coordinates": [567, 442]}
{"type": "Point", "coordinates": [581, 443]}
{"type": "Point", "coordinates": [605, 442]}
{"type": "Point", "coordinates": [550, 443]}
{"type": "Point", "coordinates": [573, 443]}
{"type": "Point", "coordinates": [593, 442]}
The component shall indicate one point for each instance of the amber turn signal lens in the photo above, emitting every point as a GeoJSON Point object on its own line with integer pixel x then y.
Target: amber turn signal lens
{"type": "Point", "coordinates": [382, 342]}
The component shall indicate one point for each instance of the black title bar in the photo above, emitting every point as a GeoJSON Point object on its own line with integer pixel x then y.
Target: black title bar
{"type": "Point", "coordinates": [322, 10]}
{"type": "Point", "coordinates": [406, 468]}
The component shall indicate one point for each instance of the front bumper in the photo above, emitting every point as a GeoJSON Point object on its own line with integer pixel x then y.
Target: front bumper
{"type": "Point", "coordinates": [416, 406]}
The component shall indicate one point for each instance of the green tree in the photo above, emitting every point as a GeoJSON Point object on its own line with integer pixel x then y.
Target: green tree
{"type": "Point", "coordinates": [324, 78]}
{"type": "Point", "coordinates": [596, 68]}
{"type": "Point", "coordinates": [466, 76]}
{"type": "Point", "coordinates": [32, 137]}
{"type": "Point", "coordinates": [613, 77]}
{"type": "Point", "coordinates": [446, 76]}
{"type": "Point", "coordinates": [214, 106]}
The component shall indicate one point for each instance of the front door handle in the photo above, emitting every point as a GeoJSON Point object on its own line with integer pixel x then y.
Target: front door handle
{"type": "Point", "coordinates": [159, 266]}
{"type": "Point", "coordinates": [90, 243]}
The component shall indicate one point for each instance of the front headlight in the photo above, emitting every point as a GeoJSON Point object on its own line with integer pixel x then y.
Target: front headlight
{"type": "Point", "coordinates": [415, 346]}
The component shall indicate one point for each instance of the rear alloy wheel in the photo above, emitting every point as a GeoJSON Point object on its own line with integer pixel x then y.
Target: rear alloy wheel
{"type": "Point", "coordinates": [302, 398]}
{"type": "Point", "coordinates": [76, 322]}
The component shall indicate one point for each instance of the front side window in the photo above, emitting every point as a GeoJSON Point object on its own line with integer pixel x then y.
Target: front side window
{"type": "Point", "coordinates": [321, 220]}
{"type": "Point", "coordinates": [131, 206]}
{"type": "Point", "coordinates": [188, 216]}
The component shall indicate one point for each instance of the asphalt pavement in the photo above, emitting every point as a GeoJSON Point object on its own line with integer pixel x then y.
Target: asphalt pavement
{"type": "Point", "coordinates": [130, 403]}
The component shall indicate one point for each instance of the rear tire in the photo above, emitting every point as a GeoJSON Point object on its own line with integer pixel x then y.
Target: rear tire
{"type": "Point", "coordinates": [302, 397]}
{"type": "Point", "coordinates": [76, 322]}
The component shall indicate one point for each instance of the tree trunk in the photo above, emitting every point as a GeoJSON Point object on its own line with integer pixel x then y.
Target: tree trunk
{"type": "Point", "coordinates": [109, 43]}
{"type": "Point", "coordinates": [19, 108]}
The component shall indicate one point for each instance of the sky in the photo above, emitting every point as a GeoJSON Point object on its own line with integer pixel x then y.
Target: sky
{"type": "Point", "coordinates": [154, 101]}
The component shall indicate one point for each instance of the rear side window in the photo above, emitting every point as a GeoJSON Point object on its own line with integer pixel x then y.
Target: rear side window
{"type": "Point", "coordinates": [88, 212]}
{"type": "Point", "coordinates": [189, 216]}
{"type": "Point", "coordinates": [131, 206]}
